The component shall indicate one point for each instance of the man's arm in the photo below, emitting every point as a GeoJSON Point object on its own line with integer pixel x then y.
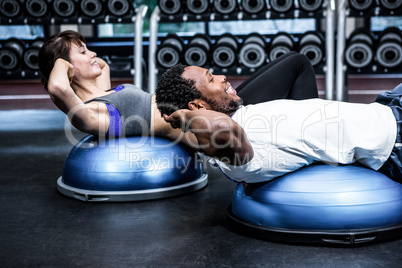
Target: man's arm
{"type": "Point", "coordinates": [217, 134]}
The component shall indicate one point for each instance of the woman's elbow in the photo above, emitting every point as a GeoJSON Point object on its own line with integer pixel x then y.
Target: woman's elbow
{"type": "Point", "coordinates": [84, 127]}
{"type": "Point", "coordinates": [96, 124]}
{"type": "Point", "coordinates": [57, 88]}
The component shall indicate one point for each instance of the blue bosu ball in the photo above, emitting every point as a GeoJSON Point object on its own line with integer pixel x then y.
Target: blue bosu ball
{"type": "Point", "coordinates": [130, 169]}
{"type": "Point", "coordinates": [322, 204]}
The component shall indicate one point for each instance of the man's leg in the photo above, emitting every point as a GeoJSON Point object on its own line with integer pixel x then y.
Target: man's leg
{"type": "Point", "coordinates": [291, 76]}
{"type": "Point", "coordinates": [393, 166]}
{"type": "Point", "coordinates": [387, 97]}
{"type": "Point", "coordinates": [393, 99]}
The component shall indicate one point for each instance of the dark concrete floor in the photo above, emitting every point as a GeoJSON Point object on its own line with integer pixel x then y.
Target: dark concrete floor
{"type": "Point", "coordinates": [39, 227]}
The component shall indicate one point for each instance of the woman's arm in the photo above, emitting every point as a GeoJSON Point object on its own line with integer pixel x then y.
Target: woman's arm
{"type": "Point", "coordinates": [217, 134]}
{"type": "Point", "coordinates": [87, 118]}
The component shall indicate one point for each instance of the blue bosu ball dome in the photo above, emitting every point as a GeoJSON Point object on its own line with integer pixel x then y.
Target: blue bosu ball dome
{"type": "Point", "coordinates": [129, 169]}
{"type": "Point", "coordinates": [342, 205]}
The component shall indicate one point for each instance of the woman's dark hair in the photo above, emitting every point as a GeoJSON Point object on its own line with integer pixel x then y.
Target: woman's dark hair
{"type": "Point", "coordinates": [57, 46]}
{"type": "Point", "coordinates": [174, 92]}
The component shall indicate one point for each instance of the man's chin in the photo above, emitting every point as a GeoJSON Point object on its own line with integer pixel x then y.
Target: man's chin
{"type": "Point", "coordinates": [240, 102]}
{"type": "Point", "coordinates": [233, 106]}
{"type": "Point", "coordinates": [228, 108]}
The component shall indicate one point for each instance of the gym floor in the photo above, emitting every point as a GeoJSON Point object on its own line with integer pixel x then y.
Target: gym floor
{"type": "Point", "coordinates": [39, 227]}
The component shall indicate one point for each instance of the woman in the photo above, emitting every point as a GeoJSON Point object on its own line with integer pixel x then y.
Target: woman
{"type": "Point", "coordinates": [74, 77]}
{"type": "Point", "coordinates": [79, 84]}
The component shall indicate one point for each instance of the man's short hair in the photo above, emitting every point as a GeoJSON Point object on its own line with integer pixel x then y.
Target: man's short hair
{"type": "Point", "coordinates": [174, 92]}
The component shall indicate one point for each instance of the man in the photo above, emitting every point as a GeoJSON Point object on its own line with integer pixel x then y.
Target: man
{"type": "Point", "coordinates": [259, 142]}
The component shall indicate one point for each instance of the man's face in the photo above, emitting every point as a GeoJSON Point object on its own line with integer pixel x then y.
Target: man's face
{"type": "Point", "coordinates": [217, 93]}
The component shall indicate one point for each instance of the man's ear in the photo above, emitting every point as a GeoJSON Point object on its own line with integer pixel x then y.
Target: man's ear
{"type": "Point", "coordinates": [197, 105]}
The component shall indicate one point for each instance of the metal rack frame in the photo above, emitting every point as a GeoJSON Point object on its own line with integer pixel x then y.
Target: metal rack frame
{"type": "Point", "coordinates": [330, 36]}
{"type": "Point", "coordinates": [329, 46]}
{"type": "Point", "coordinates": [343, 12]}
{"type": "Point", "coordinates": [341, 92]}
{"type": "Point", "coordinates": [138, 48]}
{"type": "Point", "coordinates": [137, 19]}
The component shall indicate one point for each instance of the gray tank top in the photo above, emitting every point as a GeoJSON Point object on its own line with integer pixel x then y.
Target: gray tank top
{"type": "Point", "coordinates": [134, 106]}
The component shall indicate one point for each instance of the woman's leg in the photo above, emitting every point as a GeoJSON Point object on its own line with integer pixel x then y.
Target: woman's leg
{"type": "Point", "coordinates": [291, 76]}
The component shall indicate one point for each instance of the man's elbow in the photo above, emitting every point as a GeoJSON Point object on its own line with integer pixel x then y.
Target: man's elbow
{"type": "Point", "coordinates": [243, 155]}
{"type": "Point", "coordinates": [234, 146]}
{"type": "Point", "coordinates": [233, 154]}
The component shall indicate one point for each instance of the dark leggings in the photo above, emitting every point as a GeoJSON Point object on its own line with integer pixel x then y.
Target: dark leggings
{"type": "Point", "coordinates": [290, 76]}
{"type": "Point", "coordinates": [393, 166]}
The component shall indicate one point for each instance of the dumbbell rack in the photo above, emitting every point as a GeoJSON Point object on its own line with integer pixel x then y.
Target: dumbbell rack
{"type": "Point", "coordinates": [136, 16]}
{"type": "Point", "coordinates": [342, 70]}
{"type": "Point", "coordinates": [327, 11]}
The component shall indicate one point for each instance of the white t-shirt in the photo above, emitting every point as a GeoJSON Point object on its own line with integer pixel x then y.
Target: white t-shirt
{"type": "Point", "coordinates": [287, 135]}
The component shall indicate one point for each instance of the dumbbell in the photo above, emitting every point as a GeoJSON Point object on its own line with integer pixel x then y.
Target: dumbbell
{"type": "Point", "coordinates": [252, 53]}
{"type": "Point", "coordinates": [30, 56]}
{"type": "Point", "coordinates": [225, 51]}
{"type": "Point", "coordinates": [91, 8]}
{"type": "Point", "coordinates": [359, 49]}
{"type": "Point", "coordinates": [281, 6]}
{"type": "Point", "coordinates": [281, 43]}
{"type": "Point", "coordinates": [119, 8]}
{"type": "Point", "coordinates": [389, 49]}
{"type": "Point", "coordinates": [311, 44]}
{"type": "Point", "coordinates": [391, 4]}
{"type": "Point", "coordinates": [170, 7]}
{"type": "Point", "coordinates": [64, 8]}
{"type": "Point", "coordinates": [197, 6]}
{"type": "Point", "coordinates": [361, 5]}
{"type": "Point", "coordinates": [310, 5]}
{"type": "Point", "coordinates": [36, 8]}
{"type": "Point", "coordinates": [253, 6]}
{"type": "Point", "coordinates": [10, 8]}
{"type": "Point", "coordinates": [225, 7]}
{"type": "Point", "coordinates": [170, 50]}
{"type": "Point", "coordinates": [197, 51]}
{"type": "Point", "coordinates": [10, 54]}
{"type": "Point", "coordinates": [119, 64]}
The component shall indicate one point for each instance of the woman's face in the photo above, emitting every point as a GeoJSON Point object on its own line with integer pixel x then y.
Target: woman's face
{"type": "Point", "coordinates": [84, 62]}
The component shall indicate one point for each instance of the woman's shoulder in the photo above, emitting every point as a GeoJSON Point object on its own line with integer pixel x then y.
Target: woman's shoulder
{"type": "Point", "coordinates": [129, 87]}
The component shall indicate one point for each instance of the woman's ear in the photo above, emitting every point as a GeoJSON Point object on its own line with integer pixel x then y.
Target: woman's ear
{"type": "Point", "coordinates": [196, 105]}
